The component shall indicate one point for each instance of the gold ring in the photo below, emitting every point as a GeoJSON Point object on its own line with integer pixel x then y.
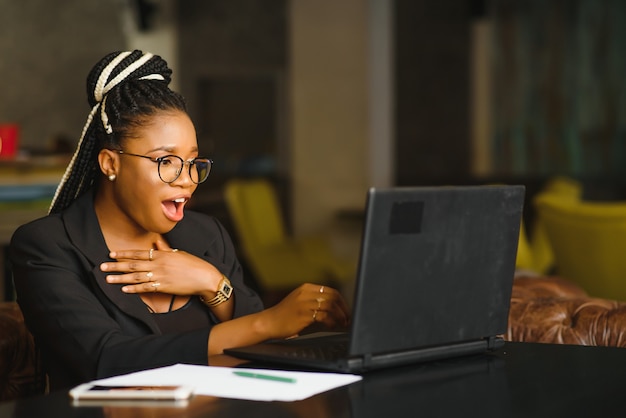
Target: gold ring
{"type": "Point", "coordinates": [149, 275]}
{"type": "Point", "coordinates": [150, 254]}
{"type": "Point", "coordinates": [319, 303]}
{"type": "Point", "coordinates": [314, 314]}
{"type": "Point", "coordinates": [155, 286]}
{"type": "Point", "coordinates": [322, 289]}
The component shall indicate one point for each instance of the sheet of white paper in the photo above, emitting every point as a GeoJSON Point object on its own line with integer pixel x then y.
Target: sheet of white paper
{"type": "Point", "coordinates": [222, 382]}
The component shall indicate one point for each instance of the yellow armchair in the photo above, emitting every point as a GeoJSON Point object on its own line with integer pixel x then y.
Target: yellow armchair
{"type": "Point", "coordinates": [524, 260]}
{"type": "Point", "coordinates": [534, 248]}
{"type": "Point", "coordinates": [279, 262]}
{"type": "Point", "coordinates": [588, 240]}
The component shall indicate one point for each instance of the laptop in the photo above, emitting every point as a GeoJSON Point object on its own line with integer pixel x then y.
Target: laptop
{"type": "Point", "coordinates": [434, 281]}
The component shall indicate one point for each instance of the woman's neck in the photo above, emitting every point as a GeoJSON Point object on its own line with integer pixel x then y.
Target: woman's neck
{"type": "Point", "coordinates": [118, 230]}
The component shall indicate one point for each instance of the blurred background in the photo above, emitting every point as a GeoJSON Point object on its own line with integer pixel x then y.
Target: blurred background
{"type": "Point", "coordinates": [327, 98]}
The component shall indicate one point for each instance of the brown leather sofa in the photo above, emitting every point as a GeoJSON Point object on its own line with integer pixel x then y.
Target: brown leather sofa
{"type": "Point", "coordinates": [543, 309]}
{"type": "Point", "coordinates": [20, 368]}
{"type": "Point", "coordinates": [554, 310]}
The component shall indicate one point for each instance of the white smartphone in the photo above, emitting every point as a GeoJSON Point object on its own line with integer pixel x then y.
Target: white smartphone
{"type": "Point", "coordinates": [90, 391]}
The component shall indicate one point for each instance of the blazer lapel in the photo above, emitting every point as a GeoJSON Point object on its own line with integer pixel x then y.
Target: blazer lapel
{"type": "Point", "coordinates": [84, 232]}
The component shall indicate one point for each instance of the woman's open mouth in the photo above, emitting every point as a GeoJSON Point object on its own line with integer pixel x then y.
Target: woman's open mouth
{"type": "Point", "coordinates": [173, 209]}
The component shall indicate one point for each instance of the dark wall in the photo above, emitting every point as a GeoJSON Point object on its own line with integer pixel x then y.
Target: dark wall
{"type": "Point", "coordinates": [432, 53]}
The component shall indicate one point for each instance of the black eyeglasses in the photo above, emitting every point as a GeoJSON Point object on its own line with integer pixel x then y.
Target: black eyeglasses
{"type": "Point", "coordinates": [170, 167]}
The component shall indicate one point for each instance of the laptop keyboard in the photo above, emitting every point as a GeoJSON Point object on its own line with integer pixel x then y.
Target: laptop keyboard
{"type": "Point", "coordinates": [322, 348]}
{"type": "Point", "coordinates": [324, 352]}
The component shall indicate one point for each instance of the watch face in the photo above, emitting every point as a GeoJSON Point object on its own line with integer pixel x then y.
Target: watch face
{"type": "Point", "coordinates": [226, 289]}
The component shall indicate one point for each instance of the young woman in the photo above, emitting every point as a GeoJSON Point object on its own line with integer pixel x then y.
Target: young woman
{"type": "Point", "coordinates": [119, 277]}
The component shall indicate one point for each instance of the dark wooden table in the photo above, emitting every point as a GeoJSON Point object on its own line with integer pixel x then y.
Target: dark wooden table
{"type": "Point", "coordinates": [520, 380]}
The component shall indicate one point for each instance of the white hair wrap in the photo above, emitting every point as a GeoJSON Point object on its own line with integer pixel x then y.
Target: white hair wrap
{"type": "Point", "coordinates": [101, 89]}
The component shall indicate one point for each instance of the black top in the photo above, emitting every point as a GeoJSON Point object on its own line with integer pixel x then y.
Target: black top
{"type": "Point", "coordinates": [190, 317]}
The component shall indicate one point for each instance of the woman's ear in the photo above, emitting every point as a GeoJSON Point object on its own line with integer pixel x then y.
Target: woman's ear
{"type": "Point", "coordinates": [108, 160]}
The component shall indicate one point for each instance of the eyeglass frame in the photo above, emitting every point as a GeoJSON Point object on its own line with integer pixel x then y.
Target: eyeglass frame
{"type": "Point", "coordinates": [158, 160]}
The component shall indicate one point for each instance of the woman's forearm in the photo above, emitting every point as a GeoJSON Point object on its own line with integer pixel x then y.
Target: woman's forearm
{"type": "Point", "coordinates": [238, 332]}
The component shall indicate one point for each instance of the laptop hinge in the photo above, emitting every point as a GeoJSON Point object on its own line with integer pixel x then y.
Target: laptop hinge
{"type": "Point", "coordinates": [370, 361]}
{"type": "Point", "coordinates": [495, 342]}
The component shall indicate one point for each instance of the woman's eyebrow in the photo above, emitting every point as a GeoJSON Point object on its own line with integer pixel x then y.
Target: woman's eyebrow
{"type": "Point", "coordinates": [171, 148]}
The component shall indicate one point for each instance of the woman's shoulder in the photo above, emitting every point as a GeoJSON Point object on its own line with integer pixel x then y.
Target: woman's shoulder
{"type": "Point", "coordinates": [54, 225]}
{"type": "Point", "coordinates": [40, 233]}
{"type": "Point", "coordinates": [193, 219]}
{"type": "Point", "coordinates": [209, 230]}
{"type": "Point", "coordinates": [48, 225]}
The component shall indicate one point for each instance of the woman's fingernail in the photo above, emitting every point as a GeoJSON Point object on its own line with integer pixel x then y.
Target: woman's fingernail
{"type": "Point", "coordinates": [103, 266]}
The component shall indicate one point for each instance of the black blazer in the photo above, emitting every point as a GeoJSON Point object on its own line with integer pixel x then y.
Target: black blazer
{"type": "Point", "coordinates": [87, 328]}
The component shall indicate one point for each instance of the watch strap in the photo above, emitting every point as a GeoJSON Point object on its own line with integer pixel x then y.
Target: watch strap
{"type": "Point", "coordinates": [224, 291]}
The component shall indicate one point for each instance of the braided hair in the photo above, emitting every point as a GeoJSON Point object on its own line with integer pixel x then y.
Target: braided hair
{"type": "Point", "coordinates": [123, 90]}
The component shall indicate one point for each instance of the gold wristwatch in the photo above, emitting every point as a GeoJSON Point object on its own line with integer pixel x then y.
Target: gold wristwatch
{"type": "Point", "coordinates": [224, 291]}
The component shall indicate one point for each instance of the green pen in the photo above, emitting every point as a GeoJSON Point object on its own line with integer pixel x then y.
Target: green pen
{"type": "Point", "coordinates": [265, 376]}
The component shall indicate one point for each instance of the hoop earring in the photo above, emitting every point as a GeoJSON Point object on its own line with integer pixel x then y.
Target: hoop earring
{"type": "Point", "coordinates": [112, 177]}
